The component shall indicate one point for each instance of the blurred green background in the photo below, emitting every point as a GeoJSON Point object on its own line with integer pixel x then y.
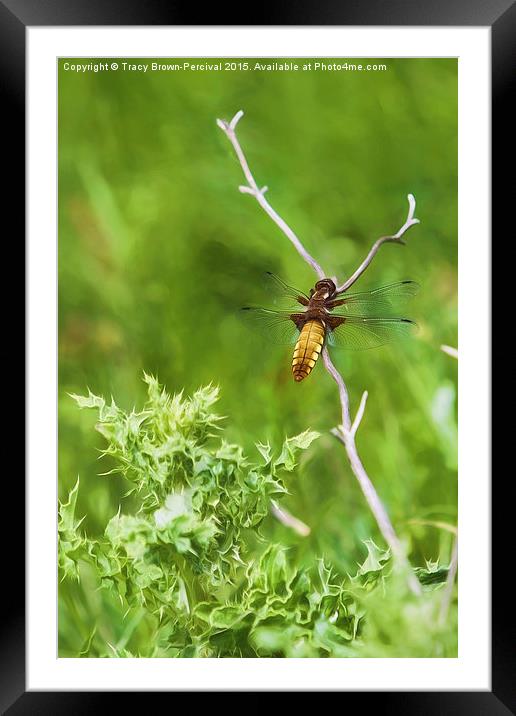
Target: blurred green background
{"type": "Point", "coordinates": [158, 250]}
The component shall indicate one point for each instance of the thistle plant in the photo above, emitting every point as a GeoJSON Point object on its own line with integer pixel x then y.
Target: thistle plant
{"type": "Point", "coordinates": [183, 566]}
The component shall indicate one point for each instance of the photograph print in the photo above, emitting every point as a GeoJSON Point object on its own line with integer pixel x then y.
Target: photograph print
{"type": "Point", "coordinates": [257, 316]}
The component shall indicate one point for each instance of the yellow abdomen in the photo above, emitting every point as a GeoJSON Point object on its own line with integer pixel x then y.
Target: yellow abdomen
{"type": "Point", "coordinates": [308, 348]}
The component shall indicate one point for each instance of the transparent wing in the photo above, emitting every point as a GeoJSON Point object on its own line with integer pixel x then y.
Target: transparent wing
{"type": "Point", "coordinates": [275, 326]}
{"type": "Point", "coordinates": [281, 295]}
{"type": "Point", "coordinates": [362, 332]}
{"type": "Point", "coordinates": [380, 301]}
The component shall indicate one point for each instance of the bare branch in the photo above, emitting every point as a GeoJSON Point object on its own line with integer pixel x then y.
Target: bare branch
{"type": "Point", "coordinates": [346, 434]}
{"type": "Point", "coordinates": [252, 188]}
{"type": "Point", "coordinates": [343, 391]}
{"type": "Point", "coordinates": [377, 508]}
{"type": "Point", "coordinates": [346, 431]}
{"type": "Point", "coordinates": [450, 580]}
{"type": "Point", "coordinates": [288, 519]}
{"type": "Point", "coordinates": [453, 352]}
{"type": "Point", "coordinates": [410, 221]}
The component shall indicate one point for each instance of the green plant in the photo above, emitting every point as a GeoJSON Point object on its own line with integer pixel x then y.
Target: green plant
{"type": "Point", "coordinates": [183, 570]}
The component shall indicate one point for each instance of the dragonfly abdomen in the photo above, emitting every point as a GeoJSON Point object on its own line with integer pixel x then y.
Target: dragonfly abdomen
{"type": "Point", "coordinates": [308, 348]}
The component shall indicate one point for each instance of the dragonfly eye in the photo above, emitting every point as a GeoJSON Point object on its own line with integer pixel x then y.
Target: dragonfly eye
{"type": "Point", "coordinates": [327, 285]}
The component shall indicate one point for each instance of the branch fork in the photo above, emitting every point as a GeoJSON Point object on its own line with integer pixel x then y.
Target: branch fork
{"type": "Point", "coordinates": [347, 430]}
{"type": "Point", "coordinates": [249, 190]}
{"type": "Point", "coordinates": [341, 432]}
{"type": "Point", "coordinates": [394, 238]}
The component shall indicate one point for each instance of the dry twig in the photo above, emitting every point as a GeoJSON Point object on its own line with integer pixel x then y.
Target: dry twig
{"type": "Point", "coordinates": [453, 352]}
{"type": "Point", "coordinates": [287, 519]}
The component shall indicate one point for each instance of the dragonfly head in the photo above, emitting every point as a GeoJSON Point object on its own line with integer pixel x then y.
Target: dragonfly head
{"type": "Point", "coordinates": [325, 287]}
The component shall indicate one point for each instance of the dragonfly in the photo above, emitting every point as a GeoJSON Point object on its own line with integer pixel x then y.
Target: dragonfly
{"type": "Point", "coordinates": [326, 316]}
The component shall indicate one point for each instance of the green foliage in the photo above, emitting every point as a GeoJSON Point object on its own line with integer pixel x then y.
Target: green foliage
{"type": "Point", "coordinates": [187, 561]}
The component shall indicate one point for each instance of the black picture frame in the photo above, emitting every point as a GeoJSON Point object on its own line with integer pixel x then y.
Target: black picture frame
{"type": "Point", "coordinates": [500, 15]}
